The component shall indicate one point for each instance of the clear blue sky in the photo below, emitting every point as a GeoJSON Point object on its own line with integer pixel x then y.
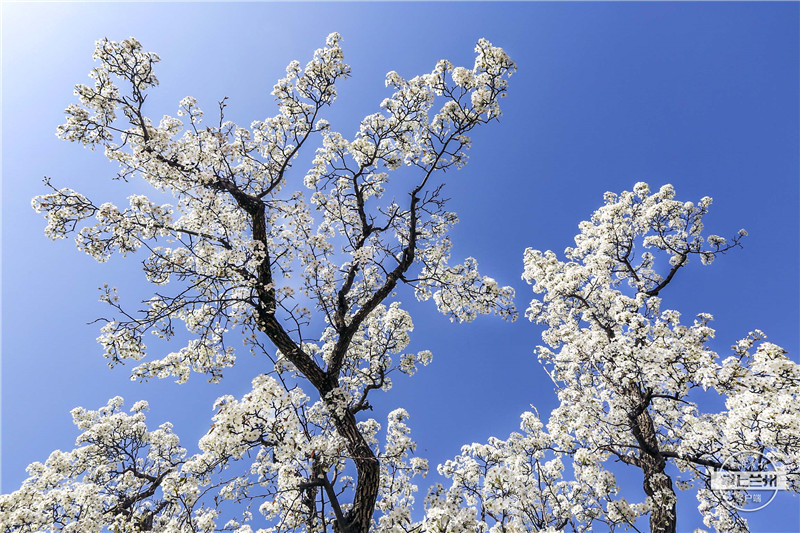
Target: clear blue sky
{"type": "Point", "coordinates": [700, 95]}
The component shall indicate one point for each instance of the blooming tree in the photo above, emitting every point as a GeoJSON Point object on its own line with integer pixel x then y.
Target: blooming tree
{"type": "Point", "coordinates": [631, 378]}
{"type": "Point", "coordinates": [307, 272]}
{"type": "Point", "coordinates": [303, 269]}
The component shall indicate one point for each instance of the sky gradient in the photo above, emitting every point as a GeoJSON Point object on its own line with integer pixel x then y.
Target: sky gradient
{"type": "Point", "coordinates": [700, 95]}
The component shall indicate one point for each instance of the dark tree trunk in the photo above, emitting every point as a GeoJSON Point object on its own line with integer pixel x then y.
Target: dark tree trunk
{"type": "Point", "coordinates": [359, 517]}
{"type": "Point", "coordinates": [662, 515]}
{"type": "Point", "coordinates": [656, 481]}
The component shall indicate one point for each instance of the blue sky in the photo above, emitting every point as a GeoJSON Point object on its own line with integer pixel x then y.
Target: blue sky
{"type": "Point", "coordinates": [700, 95]}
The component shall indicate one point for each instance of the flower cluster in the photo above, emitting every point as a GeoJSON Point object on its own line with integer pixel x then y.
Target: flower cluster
{"type": "Point", "coordinates": [115, 478]}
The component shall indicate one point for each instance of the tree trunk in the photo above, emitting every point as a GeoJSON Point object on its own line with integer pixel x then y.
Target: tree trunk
{"type": "Point", "coordinates": [359, 517]}
{"type": "Point", "coordinates": [657, 484]}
